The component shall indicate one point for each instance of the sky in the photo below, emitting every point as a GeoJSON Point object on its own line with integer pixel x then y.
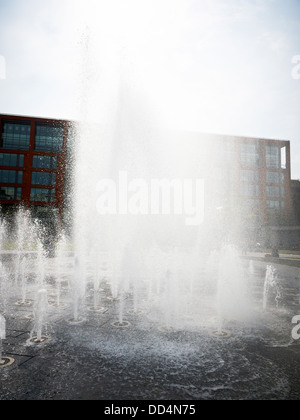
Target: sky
{"type": "Point", "coordinates": [223, 66]}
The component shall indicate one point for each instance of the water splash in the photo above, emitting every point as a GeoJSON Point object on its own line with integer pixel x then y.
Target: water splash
{"type": "Point", "coordinates": [2, 334]}
{"type": "Point", "coordinates": [272, 287]}
{"type": "Point", "coordinates": [40, 311]}
{"type": "Point", "coordinates": [232, 296]}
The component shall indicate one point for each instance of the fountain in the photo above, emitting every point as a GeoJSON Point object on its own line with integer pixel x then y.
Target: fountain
{"type": "Point", "coordinates": [77, 290]}
{"type": "Point", "coordinates": [40, 312]}
{"type": "Point", "coordinates": [4, 361]}
{"type": "Point", "coordinates": [132, 200]}
{"type": "Point", "coordinates": [133, 259]}
{"type": "Point", "coordinates": [61, 253]}
{"type": "Point", "coordinates": [272, 288]}
{"type": "Point", "coordinates": [24, 280]}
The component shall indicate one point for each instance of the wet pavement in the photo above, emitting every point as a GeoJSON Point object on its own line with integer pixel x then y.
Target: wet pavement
{"type": "Point", "coordinates": [147, 361]}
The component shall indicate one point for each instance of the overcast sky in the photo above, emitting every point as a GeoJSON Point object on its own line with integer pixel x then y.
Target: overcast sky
{"type": "Point", "coordinates": [225, 66]}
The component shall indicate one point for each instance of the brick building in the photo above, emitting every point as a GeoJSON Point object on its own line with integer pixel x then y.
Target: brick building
{"type": "Point", "coordinates": [247, 179]}
{"type": "Point", "coordinates": [32, 165]}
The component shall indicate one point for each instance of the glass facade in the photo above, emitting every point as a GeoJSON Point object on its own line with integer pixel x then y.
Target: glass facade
{"type": "Point", "coordinates": [250, 190]}
{"type": "Point", "coordinates": [30, 162]}
{"type": "Point", "coordinates": [11, 177]}
{"type": "Point", "coordinates": [42, 195]}
{"type": "Point", "coordinates": [249, 176]}
{"type": "Point", "coordinates": [252, 204]}
{"type": "Point", "coordinates": [275, 178]}
{"type": "Point", "coordinates": [250, 155]}
{"type": "Point", "coordinates": [273, 157]}
{"type": "Point", "coordinates": [48, 138]}
{"type": "Point", "coordinates": [275, 192]}
{"type": "Point", "coordinates": [11, 159]}
{"type": "Point", "coordinates": [43, 178]}
{"type": "Point", "coordinates": [225, 150]}
{"type": "Point", "coordinates": [10, 193]}
{"type": "Point", "coordinates": [15, 136]}
{"type": "Point", "coordinates": [44, 162]}
{"type": "Point", "coordinates": [275, 205]}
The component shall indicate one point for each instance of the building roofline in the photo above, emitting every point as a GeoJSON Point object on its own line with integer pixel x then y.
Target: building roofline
{"type": "Point", "coordinates": [234, 136]}
{"type": "Point", "coordinates": [192, 132]}
{"type": "Point", "coordinates": [29, 118]}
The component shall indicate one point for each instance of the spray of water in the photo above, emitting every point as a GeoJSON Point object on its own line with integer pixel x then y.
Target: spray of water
{"type": "Point", "coordinates": [272, 289]}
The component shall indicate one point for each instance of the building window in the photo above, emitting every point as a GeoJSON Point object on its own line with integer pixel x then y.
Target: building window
{"type": "Point", "coordinates": [11, 159]}
{"type": "Point", "coordinates": [11, 177]}
{"type": "Point", "coordinates": [44, 162]}
{"type": "Point", "coordinates": [43, 178]}
{"type": "Point", "coordinates": [283, 157]}
{"type": "Point", "coordinates": [42, 195]}
{"type": "Point", "coordinates": [250, 155]}
{"type": "Point", "coordinates": [249, 176]}
{"type": "Point", "coordinates": [226, 151]}
{"type": "Point", "coordinates": [275, 205]}
{"type": "Point", "coordinates": [15, 136]}
{"type": "Point", "coordinates": [252, 204]}
{"type": "Point", "coordinates": [273, 154]}
{"type": "Point", "coordinates": [275, 192]}
{"type": "Point", "coordinates": [275, 178]}
{"type": "Point", "coordinates": [49, 138]}
{"type": "Point", "coordinates": [10, 193]}
{"type": "Point", "coordinates": [250, 190]}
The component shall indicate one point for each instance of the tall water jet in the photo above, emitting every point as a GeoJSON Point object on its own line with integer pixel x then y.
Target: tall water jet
{"type": "Point", "coordinates": [40, 312]}
{"type": "Point", "coordinates": [3, 233]}
{"type": "Point", "coordinates": [24, 279]}
{"type": "Point", "coordinates": [232, 302]}
{"type": "Point", "coordinates": [61, 254]}
{"type": "Point", "coordinates": [5, 287]}
{"type": "Point", "coordinates": [4, 360]}
{"type": "Point", "coordinates": [271, 287]}
{"type": "Point", "coordinates": [138, 186]}
{"type": "Point", "coordinates": [21, 236]}
{"type": "Point", "coordinates": [77, 290]}
{"type": "Point", "coordinates": [40, 264]}
{"type": "Point", "coordinates": [2, 335]}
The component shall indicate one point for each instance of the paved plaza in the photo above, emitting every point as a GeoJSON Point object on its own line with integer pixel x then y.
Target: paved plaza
{"type": "Point", "coordinates": [148, 361]}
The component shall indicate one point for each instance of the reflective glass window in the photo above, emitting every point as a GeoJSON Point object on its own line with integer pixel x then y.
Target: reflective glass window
{"type": "Point", "coordinates": [252, 204]}
{"type": "Point", "coordinates": [275, 178]}
{"type": "Point", "coordinates": [15, 136]}
{"type": "Point", "coordinates": [44, 162]}
{"type": "Point", "coordinates": [43, 178]}
{"type": "Point", "coordinates": [275, 205]}
{"type": "Point", "coordinates": [273, 154]}
{"type": "Point", "coordinates": [250, 155]}
{"type": "Point", "coordinates": [249, 176]}
{"type": "Point", "coordinates": [42, 195]}
{"type": "Point", "coordinates": [10, 193]}
{"type": "Point", "coordinates": [275, 192]}
{"type": "Point", "coordinates": [11, 159]}
{"type": "Point", "coordinates": [11, 177]}
{"type": "Point", "coordinates": [49, 138]}
{"type": "Point", "coordinates": [250, 190]}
